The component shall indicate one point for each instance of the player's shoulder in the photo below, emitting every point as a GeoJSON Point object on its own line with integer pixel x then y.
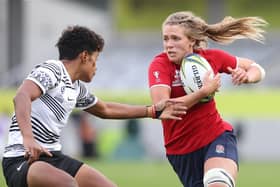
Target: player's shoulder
{"type": "Point", "coordinates": [211, 52]}
{"type": "Point", "coordinates": [52, 66]}
{"type": "Point", "coordinates": [161, 58]}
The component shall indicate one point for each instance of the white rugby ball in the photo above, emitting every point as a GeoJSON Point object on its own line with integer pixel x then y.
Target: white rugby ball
{"type": "Point", "coordinates": [192, 71]}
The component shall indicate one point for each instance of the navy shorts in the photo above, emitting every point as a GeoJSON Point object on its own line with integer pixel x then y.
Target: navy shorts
{"type": "Point", "coordinates": [190, 167]}
{"type": "Point", "coordinates": [15, 168]}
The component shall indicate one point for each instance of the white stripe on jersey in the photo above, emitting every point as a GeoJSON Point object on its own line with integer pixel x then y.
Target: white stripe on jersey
{"type": "Point", "coordinates": [50, 112]}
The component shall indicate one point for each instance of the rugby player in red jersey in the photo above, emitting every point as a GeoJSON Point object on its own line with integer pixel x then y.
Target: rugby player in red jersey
{"type": "Point", "coordinates": [202, 147]}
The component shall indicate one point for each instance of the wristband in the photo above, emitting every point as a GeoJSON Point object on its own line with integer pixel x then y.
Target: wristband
{"type": "Point", "coordinates": [152, 112]}
{"type": "Point", "coordinates": [158, 113]}
{"type": "Point", "coordinates": [261, 70]}
{"type": "Point", "coordinates": [149, 112]}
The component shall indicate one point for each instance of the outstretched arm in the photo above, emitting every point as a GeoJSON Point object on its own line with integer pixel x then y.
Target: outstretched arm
{"type": "Point", "coordinates": [164, 109]}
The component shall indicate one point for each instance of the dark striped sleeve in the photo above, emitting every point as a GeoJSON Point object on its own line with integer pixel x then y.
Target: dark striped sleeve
{"type": "Point", "coordinates": [85, 98]}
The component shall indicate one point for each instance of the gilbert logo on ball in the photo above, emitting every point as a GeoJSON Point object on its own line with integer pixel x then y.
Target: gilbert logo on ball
{"type": "Point", "coordinates": [192, 72]}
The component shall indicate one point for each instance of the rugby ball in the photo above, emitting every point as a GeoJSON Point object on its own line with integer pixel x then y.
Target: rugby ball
{"type": "Point", "coordinates": [192, 71]}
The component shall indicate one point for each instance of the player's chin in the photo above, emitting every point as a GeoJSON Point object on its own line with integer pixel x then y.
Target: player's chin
{"type": "Point", "coordinates": [87, 79]}
{"type": "Point", "coordinates": [174, 58]}
{"type": "Point", "coordinates": [90, 77]}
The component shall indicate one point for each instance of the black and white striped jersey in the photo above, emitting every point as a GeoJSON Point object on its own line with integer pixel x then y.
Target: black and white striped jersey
{"type": "Point", "coordinates": [50, 112]}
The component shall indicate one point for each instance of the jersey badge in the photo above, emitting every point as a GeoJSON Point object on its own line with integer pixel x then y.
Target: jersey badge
{"type": "Point", "coordinates": [220, 148]}
{"type": "Point", "coordinates": [156, 74]}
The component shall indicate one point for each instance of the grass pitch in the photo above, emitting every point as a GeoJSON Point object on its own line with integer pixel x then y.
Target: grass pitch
{"type": "Point", "coordinates": [150, 174]}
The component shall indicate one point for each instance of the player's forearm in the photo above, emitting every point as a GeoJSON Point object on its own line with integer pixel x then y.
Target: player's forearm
{"type": "Point", "coordinates": [112, 110]}
{"type": "Point", "coordinates": [123, 111]}
{"type": "Point", "coordinates": [193, 98]}
{"type": "Point", "coordinates": [22, 105]}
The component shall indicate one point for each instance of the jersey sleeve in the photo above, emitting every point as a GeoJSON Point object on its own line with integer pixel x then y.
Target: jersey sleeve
{"type": "Point", "coordinates": [46, 75]}
{"type": "Point", "coordinates": [224, 60]}
{"type": "Point", "coordinates": [158, 74]}
{"type": "Point", "coordinates": [85, 99]}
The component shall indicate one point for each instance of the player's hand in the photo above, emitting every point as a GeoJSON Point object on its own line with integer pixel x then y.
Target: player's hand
{"type": "Point", "coordinates": [238, 75]}
{"type": "Point", "coordinates": [170, 109]}
{"type": "Point", "coordinates": [33, 150]}
{"type": "Point", "coordinates": [211, 84]}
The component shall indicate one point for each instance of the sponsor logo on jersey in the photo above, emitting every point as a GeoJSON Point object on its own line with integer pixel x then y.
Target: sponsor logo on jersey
{"type": "Point", "coordinates": [177, 80]}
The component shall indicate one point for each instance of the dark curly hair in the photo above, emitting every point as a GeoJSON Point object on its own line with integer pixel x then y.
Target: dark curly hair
{"type": "Point", "coordinates": [76, 39]}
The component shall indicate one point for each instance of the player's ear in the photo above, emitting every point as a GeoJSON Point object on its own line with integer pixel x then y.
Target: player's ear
{"type": "Point", "coordinates": [83, 56]}
{"type": "Point", "coordinates": [192, 41]}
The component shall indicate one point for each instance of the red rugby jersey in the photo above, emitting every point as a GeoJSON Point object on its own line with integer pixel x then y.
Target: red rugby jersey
{"type": "Point", "coordinates": [202, 123]}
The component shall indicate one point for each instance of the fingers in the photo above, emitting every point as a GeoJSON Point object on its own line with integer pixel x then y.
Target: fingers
{"type": "Point", "coordinates": [30, 156]}
{"type": "Point", "coordinates": [178, 108]}
{"type": "Point", "coordinates": [165, 116]}
{"type": "Point", "coordinates": [208, 73]}
{"type": "Point", "coordinates": [168, 102]}
{"type": "Point", "coordinates": [207, 76]}
{"type": "Point", "coordinates": [174, 118]}
{"type": "Point", "coordinates": [230, 69]}
{"type": "Point", "coordinates": [27, 154]}
{"type": "Point", "coordinates": [161, 104]}
{"type": "Point", "coordinates": [46, 152]}
{"type": "Point", "coordinates": [181, 109]}
{"type": "Point", "coordinates": [175, 115]}
{"type": "Point", "coordinates": [34, 154]}
{"type": "Point", "coordinates": [217, 76]}
{"type": "Point", "coordinates": [178, 112]}
{"type": "Point", "coordinates": [175, 112]}
{"type": "Point", "coordinates": [238, 75]}
{"type": "Point", "coordinates": [218, 79]}
{"type": "Point", "coordinates": [173, 101]}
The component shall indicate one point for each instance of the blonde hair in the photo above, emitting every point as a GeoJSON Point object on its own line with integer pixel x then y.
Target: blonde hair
{"type": "Point", "coordinates": [224, 32]}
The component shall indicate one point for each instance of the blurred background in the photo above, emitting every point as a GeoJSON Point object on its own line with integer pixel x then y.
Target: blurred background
{"type": "Point", "coordinates": [131, 152]}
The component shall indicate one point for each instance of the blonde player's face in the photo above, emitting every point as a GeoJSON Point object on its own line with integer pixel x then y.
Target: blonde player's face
{"type": "Point", "coordinates": [175, 43]}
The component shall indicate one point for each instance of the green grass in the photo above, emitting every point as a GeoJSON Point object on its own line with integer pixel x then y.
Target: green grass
{"type": "Point", "coordinates": [150, 174]}
{"type": "Point", "coordinates": [139, 174]}
{"type": "Point", "coordinates": [259, 174]}
{"type": "Point", "coordinates": [146, 174]}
